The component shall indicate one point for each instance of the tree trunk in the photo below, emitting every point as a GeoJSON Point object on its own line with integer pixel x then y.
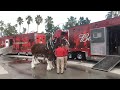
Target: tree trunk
{"type": "Point", "coordinates": [37, 27]}
{"type": "Point", "coordinates": [28, 28]}
{"type": "Point", "coordinates": [19, 28]}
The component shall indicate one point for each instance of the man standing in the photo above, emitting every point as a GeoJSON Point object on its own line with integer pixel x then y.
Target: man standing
{"type": "Point", "coordinates": [60, 53]}
{"type": "Point", "coordinates": [66, 56]}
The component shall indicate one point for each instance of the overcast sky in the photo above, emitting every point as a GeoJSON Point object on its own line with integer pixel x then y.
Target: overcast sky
{"type": "Point", "coordinates": [59, 17]}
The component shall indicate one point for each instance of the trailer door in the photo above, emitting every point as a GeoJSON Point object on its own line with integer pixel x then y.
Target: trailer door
{"type": "Point", "coordinates": [98, 42]}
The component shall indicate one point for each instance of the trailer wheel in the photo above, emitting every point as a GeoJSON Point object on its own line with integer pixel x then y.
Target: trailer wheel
{"type": "Point", "coordinates": [26, 54]}
{"type": "Point", "coordinates": [18, 53]}
{"type": "Point", "coordinates": [79, 56]}
{"type": "Point", "coordinates": [70, 56]}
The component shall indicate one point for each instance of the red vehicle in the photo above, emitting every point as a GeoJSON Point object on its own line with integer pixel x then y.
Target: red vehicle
{"type": "Point", "coordinates": [95, 40]}
{"type": "Point", "coordinates": [6, 41]}
{"type": "Point", "coordinates": [22, 43]}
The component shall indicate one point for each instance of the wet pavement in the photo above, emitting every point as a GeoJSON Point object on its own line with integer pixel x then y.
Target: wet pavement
{"type": "Point", "coordinates": [40, 73]}
{"type": "Point", "coordinates": [24, 71]}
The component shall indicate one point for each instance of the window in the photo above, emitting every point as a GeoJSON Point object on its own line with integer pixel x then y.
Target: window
{"type": "Point", "coordinates": [97, 35]}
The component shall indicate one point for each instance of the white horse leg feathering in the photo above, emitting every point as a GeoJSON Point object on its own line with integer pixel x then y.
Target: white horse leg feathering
{"type": "Point", "coordinates": [36, 61]}
{"type": "Point", "coordinates": [32, 63]}
{"type": "Point", "coordinates": [51, 65]}
{"type": "Point", "coordinates": [48, 65]}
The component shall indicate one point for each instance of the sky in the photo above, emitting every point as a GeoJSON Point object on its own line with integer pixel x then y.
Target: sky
{"type": "Point", "coordinates": [59, 17]}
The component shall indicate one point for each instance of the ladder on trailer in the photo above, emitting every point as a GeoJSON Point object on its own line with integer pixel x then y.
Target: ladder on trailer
{"type": "Point", "coordinates": [108, 63]}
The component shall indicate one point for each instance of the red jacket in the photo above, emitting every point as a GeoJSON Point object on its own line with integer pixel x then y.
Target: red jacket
{"type": "Point", "coordinates": [60, 52]}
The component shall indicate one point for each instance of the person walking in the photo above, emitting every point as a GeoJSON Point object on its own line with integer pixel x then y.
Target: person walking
{"type": "Point", "coordinates": [60, 53]}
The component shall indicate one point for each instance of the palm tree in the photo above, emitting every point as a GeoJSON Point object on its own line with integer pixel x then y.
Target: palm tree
{"type": "Point", "coordinates": [87, 20]}
{"type": "Point", "coordinates": [1, 27]}
{"type": "Point", "coordinates": [38, 20]}
{"type": "Point", "coordinates": [49, 26]}
{"type": "Point", "coordinates": [29, 19]}
{"type": "Point", "coordinates": [49, 20]}
{"type": "Point", "coordinates": [20, 21]}
{"type": "Point", "coordinates": [72, 21]}
{"type": "Point", "coordinates": [81, 21]}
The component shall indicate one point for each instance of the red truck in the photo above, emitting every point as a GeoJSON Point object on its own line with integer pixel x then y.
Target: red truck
{"type": "Point", "coordinates": [22, 43]}
{"type": "Point", "coordinates": [93, 41]}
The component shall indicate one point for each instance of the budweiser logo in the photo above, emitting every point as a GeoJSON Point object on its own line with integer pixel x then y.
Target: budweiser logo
{"type": "Point", "coordinates": [84, 37]}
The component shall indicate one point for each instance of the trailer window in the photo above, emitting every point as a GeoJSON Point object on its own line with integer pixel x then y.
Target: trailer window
{"type": "Point", "coordinates": [97, 35]}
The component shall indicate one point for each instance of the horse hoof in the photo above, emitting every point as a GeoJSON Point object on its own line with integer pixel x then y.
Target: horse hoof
{"type": "Point", "coordinates": [48, 69]}
{"type": "Point", "coordinates": [37, 63]}
{"type": "Point", "coordinates": [33, 67]}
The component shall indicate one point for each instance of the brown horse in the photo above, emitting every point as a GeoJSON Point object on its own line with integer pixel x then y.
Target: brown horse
{"type": "Point", "coordinates": [38, 50]}
{"type": "Point", "coordinates": [45, 51]}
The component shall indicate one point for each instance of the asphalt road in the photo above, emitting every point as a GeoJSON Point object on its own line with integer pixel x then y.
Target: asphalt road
{"type": "Point", "coordinates": [40, 73]}
{"type": "Point", "coordinates": [23, 71]}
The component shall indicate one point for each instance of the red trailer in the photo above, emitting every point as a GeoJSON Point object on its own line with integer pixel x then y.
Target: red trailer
{"type": "Point", "coordinates": [22, 43]}
{"type": "Point", "coordinates": [94, 40]}
{"type": "Point", "coordinates": [6, 41]}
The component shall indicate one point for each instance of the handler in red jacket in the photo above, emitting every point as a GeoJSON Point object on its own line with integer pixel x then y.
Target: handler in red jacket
{"type": "Point", "coordinates": [60, 53]}
{"type": "Point", "coordinates": [66, 56]}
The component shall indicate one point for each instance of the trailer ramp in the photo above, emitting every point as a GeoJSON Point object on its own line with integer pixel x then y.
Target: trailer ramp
{"type": "Point", "coordinates": [5, 50]}
{"type": "Point", "coordinates": [108, 63]}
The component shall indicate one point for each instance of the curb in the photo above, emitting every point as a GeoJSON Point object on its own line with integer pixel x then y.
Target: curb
{"type": "Point", "coordinates": [89, 70]}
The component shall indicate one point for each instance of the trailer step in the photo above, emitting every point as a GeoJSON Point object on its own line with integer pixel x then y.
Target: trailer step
{"type": "Point", "coordinates": [107, 64]}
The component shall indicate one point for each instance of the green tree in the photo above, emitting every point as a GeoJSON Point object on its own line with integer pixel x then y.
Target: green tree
{"type": "Point", "coordinates": [109, 15]}
{"type": "Point", "coordinates": [87, 20]}
{"type": "Point", "coordinates": [83, 21]}
{"type": "Point", "coordinates": [112, 14]}
{"type": "Point", "coordinates": [65, 26]}
{"type": "Point", "coordinates": [10, 30]}
{"type": "Point", "coordinates": [29, 20]}
{"type": "Point", "coordinates": [49, 24]}
{"type": "Point", "coordinates": [38, 20]}
{"type": "Point", "coordinates": [20, 21]}
{"type": "Point", "coordinates": [55, 28]}
{"type": "Point", "coordinates": [72, 21]}
{"type": "Point", "coordinates": [2, 27]}
{"type": "Point", "coordinates": [49, 27]}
